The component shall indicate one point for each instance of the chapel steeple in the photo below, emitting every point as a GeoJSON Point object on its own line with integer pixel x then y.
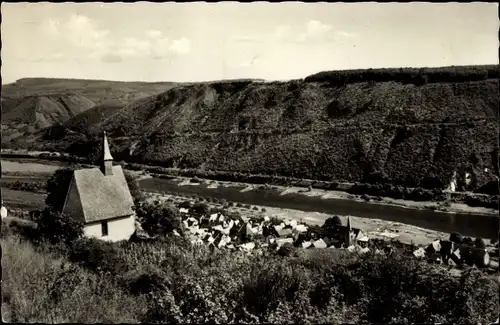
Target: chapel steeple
{"type": "Point", "coordinates": [107, 159]}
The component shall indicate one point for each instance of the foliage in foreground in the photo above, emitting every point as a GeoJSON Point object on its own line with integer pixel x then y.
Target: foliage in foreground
{"type": "Point", "coordinates": [169, 280]}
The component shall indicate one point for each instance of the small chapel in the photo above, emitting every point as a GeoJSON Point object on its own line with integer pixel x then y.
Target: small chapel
{"type": "Point", "coordinates": [101, 199]}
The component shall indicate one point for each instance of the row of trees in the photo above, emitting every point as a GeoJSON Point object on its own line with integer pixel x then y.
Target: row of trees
{"type": "Point", "coordinates": [417, 76]}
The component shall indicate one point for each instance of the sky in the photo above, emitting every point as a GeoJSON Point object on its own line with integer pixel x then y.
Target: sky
{"type": "Point", "coordinates": [199, 41]}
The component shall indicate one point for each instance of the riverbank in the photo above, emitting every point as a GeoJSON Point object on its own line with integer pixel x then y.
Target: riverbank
{"type": "Point", "coordinates": [444, 201]}
{"type": "Point", "coordinates": [476, 222]}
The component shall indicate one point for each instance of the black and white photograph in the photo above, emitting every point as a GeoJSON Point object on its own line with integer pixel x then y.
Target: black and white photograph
{"type": "Point", "coordinates": [250, 162]}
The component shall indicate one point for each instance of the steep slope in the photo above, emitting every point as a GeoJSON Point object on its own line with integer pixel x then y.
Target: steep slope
{"type": "Point", "coordinates": [43, 110]}
{"type": "Point", "coordinates": [27, 114]}
{"type": "Point", "coordinates": [98, 91]}
{"type": "Point", "coordinates": [35, 103]}
{"type": "Point", "coordinates": [413, 130]}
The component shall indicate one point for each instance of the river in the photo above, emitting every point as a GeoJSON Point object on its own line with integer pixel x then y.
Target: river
{"type": "Point", "coordinates": [467, 224]}
{"type": "Point", "coordinates": [474, 225]}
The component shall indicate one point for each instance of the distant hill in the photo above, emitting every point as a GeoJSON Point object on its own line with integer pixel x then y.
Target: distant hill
{"type": "Point", "coordinates": [42, 111]}
{"type": "Point", "coordinates": [35, 103]}
{"type": "Point", "coordinates": [413, 127]}
{"type": "Point", "coordinates": [98, 91]}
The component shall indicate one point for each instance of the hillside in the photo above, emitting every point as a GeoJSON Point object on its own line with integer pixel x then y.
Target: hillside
{"type": "Point", "coordinates": [30, 113]}
{"type": "Point", "coordinates": [35, 103]}
{"type": "Point", "coordinates": [98, 91]}
{"type": "Point", "coordinates": [413, 127]}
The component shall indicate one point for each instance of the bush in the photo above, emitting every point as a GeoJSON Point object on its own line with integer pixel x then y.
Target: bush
{"type": "Point", "coordinates": [467, 241]}
{"type": "Point", "coordinates": [133, 186]}
{"type": "Point", "coordinates": [479, 243]}
{"type": "Point", "coordinates": [159, 219]}
{"type": "Point", "coordinates": [200, 209]}
{"type": "Point", "coordinates": [56, 227]}
{"type": "Point", "coordinates": [25, 228]}
{"type": "Point", "coordinates": [332, 224]}
{"type": "Point", "coordinates": [286, 250]}
{"type": "Point", "coordinates": [97, 256]}
{"type": "Point", "coordinates": [36, 187]}
{"type": "Point", "coordinates": [272, 284]}
{"type": "Point", "coordinates": [146, 282]}
{"type": "Point", "coordinates": [185, 205]}
{"type": "Point", "coordinates": [57, 188]}
{"type": "Point", "coordinates": [456, 238]}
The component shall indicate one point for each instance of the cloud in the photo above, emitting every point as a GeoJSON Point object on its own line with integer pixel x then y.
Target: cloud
{"type": "Point", "coordinates": [282, 31]}
{"type": "Point", "coordinates": [154, 34]}
{"type": "Point", "coordinates": [314, 30]}
{"type": "Point", "coordinates": [111, 58]}
{"type": "Point", "coordinates": [181, 46]}
{"type": "Point", "coordinates": [51, 27]}
{"type": "Point", "coordinates": [56, 57]}
{"type": "Point", "coordinates": [84, 32]}
{"type": "Point", "coordinates": [82, 37]}
{"type": "Point", "coordinates": [344, 34]}
{"type": "Point", "coordinates": [132, 47]}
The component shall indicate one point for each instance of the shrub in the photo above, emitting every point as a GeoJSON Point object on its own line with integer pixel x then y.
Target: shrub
{"type": "Point", "coordinates": [263, 210]}
{"type": "Point", "coordinates": [479, 243]}
{"type": "Point", "coordinates": [148, 282]}
{"type": "Point", "coordinates": [332, 224]}
{"type": "Point", "coordinates": [456, 238]}
{"type": "Point", "coordinates": [159, 219]}
{"type": "Point", "coordinates": [286, 250]}
{"type": "Point", "coordinates": [97, 256]}
{"type": "Point", "coordinates": [14, 225]}
{"type": "Point", "coordinates": [200, 209]}
{"type": "Point", "coordinates": [57, 187]}
{"type": "Point", "coordinates": [27, 186]}
{"type": "Point", "coordinates": [271, 284]}
{"type": "Point", "coordinates": [185, 205]}
{"type": "Point", "coordinates": [55, 226]}
{"type": "Point", "coordinates": [467, 241]}
{"type": "Point", "coordinates": [133, 186]}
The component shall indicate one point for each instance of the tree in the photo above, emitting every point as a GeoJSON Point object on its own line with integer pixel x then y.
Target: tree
{"type": "Point", "coordinates": [159, 219]}
{"type": "Point", "coordinates": [57, 187]}
{"type": "Point", "coordinates": [332, 224]}
{"type": "Point", "coordinates": [456, 238]}
{"type": "Point", "coordinates": [56, 227]}
{"type": "Point", "coordinates": [200, 209]}
{"type": "Point", "coordinates": [479, 243]}
{"type": "Point", "coordinates": [133, 186]}
{"type": "Point", "coordinates": [88, 146]}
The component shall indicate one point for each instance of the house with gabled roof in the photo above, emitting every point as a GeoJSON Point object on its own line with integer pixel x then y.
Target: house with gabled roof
{"type": "Point", "coordinates": [101, 199]}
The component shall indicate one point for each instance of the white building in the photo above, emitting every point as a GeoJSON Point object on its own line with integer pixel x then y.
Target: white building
{"type": "Point", "coordinates": [100, 197]}
{"type": "Point", "coordinates": [3, 211]}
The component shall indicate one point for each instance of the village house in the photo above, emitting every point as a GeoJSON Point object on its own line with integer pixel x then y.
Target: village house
{"type": "Point", "coordinates": [3, 211]}
{"type": "Point", "coordinates": [348, 235]}
{"type": "Point", "coordinates": [101, 199]}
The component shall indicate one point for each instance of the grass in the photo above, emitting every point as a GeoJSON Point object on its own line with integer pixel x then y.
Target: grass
{"type": "Point", "coordinates": [171, 281]}
{"type": "Point", "coordinates": [40, 287]}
